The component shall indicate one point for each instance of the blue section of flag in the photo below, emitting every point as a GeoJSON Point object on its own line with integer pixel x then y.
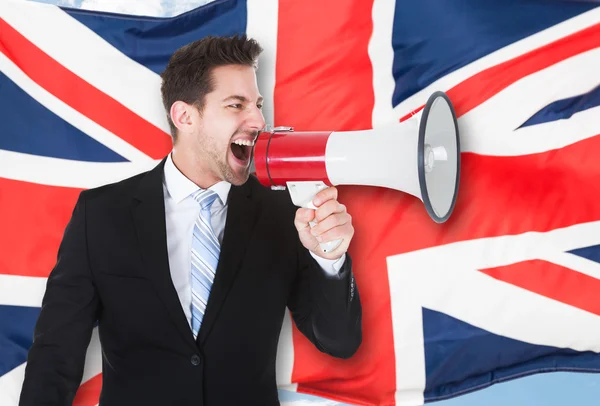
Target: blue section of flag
{"type": "Point", "coordinates": [29, 127]}
{"type": "Point", "coordinates": [434, 38]}
{"type": "Point", "coordinates": [16, 335]}
{"type": "Point", "coordinates": [592, 253]}
{"type": "Point", "coordinates": [151, 40]}
{"type": "Point", "coordinates": [460, 357]}
{"type": "Point", "coordinates": [564, 109]}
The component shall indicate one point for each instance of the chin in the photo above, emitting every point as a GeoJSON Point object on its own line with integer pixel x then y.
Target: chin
{"type": "Point", "coordinates": [234, 173]}
{"type": "Point", "coordinates": [237, 178]}
{"type": "Point", "coordinates": [239, 182]}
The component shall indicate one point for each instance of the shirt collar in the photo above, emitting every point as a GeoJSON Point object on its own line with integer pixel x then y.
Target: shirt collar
{"type": "Point", "coordinates": [180, 187]}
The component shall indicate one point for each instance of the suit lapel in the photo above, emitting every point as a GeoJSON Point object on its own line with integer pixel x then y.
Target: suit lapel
{"type": "Point", "coordinates": [148, 213]}
{"type": "Point", "coordinates": [241, 218]}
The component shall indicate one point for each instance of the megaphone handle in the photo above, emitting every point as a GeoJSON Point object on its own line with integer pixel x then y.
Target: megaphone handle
{"type": "Point", "coordinates": [325, 246]}
{"type": "Point", "coordinates": [302, 194]}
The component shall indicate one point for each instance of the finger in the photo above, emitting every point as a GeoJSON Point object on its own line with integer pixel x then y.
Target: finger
{"type": "Point", "coordinates": [328, 208]}
{"type": "Point", "coordinates": [303, 217]}
{"type": "Point", "coordinates": [331, 193]}
{"type": "Point", "coordinates": [334, 220]}
{"type": "Point", "coordinates": [344, 232]}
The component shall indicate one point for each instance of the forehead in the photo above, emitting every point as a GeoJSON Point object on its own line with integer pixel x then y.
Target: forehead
{"type": "Point", "coordinates": [235, 80]}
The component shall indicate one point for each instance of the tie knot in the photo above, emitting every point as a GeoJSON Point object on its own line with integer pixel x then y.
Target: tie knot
{"type": "Point", "coordinates": [205, 197]}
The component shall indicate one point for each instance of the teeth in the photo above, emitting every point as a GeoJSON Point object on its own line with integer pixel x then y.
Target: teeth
{"type": "Point", "coordinates": [244, 142]}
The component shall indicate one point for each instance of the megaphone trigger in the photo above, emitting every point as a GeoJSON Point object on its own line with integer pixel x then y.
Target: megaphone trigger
{"type": "Point", "coordinates": [302, 194]}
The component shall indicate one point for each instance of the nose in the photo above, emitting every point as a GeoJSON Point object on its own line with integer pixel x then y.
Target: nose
{"type": "Point", "coordinates": [256, 120]}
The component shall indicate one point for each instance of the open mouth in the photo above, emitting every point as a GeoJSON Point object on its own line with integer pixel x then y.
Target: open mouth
{"type": "Point", "coordinates": [242, 149]}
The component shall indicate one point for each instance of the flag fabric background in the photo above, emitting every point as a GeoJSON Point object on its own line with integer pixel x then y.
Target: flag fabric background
{"type": "Point", "coordinates": [508, 287]}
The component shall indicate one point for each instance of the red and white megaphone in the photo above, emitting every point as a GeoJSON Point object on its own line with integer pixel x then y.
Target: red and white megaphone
{"type": "Point", "coordinates": [419, 156]}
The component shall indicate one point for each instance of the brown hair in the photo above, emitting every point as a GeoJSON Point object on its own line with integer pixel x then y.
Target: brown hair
{"type": "Point", "coordinates": [188, 75]}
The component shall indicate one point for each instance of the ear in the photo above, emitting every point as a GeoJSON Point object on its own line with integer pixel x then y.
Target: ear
{"type": "Point", "coordinates": [181, 116]}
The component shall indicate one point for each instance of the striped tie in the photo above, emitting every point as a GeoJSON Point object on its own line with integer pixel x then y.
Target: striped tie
{"type": "Point", "coordinates": [205, 257]}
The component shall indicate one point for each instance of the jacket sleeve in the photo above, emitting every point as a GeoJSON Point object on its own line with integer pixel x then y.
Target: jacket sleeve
{"type": "Point", "coordinates": [63, 330]}
{"type": "Point", "coordinates": [326, 308]}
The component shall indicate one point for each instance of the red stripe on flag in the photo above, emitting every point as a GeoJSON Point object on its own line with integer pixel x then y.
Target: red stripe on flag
{"type": "Point", "coordinates": [33, 219]}
{"type": "Point", "coordinates": [480, 87]}
{"type": "Point", "coordinates": [554, 281]}
{"type": "Point", "coordinates": [324, 82]}
{"type": "Point", "coordinates": [324, 74]}
{"type": "Point", "coordinates": [88, 393]}
{"type": "Point", "coordinates": [81, 95]}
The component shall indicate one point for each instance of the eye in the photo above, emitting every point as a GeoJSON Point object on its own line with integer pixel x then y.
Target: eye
{"type": "Point", "coordinates": [260, 106]}
{"type": "Point", "coordinates": [236, 106]}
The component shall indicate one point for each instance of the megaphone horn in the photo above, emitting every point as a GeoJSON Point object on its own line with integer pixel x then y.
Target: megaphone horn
{"type": "Point", "coordinates": [419, 156]}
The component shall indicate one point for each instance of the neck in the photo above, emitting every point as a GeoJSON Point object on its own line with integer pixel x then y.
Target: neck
{"type": "Point", "coordinates": [193, 167]}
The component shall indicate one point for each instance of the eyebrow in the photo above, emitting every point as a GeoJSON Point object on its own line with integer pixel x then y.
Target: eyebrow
{"type": "Point", "coordinates": [242, 99]}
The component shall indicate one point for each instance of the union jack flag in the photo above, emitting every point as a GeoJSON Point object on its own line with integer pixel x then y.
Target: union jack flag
{"type": "Point", "coordinates": [509, 286]}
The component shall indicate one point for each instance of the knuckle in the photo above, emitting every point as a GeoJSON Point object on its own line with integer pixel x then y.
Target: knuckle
{"type": "Point", "coordinates": [335, 234]}
{"type": "Point", "coordinates": [319, 215]}
{"type": "Point", "coordinates": [339, 220]}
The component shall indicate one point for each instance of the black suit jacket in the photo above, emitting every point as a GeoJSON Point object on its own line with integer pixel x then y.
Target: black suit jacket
{"type": "Point", "coordinates": [113, 270]}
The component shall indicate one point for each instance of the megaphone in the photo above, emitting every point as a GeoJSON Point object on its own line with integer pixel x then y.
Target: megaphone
{"type": "Point", "coordinates": [419, 156]}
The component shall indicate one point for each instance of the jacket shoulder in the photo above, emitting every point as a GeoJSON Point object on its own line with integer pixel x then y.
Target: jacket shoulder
{"type": "Point", "coordinates": [115, 190]}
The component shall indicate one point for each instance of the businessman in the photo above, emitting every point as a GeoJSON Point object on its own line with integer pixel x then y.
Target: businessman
{"type": "Point", "coordinates": [187, 269]}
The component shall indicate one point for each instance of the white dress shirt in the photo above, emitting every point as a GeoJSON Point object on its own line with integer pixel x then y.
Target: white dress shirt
{"type": "Point", "coordinates": [181, 211]}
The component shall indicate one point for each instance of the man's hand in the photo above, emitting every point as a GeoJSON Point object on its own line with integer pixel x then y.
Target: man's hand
{"type": "Point", "coordinates": [333, 223]}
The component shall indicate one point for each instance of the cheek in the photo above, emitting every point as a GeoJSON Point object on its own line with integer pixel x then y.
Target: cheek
{"type": "Point", "coordinates": [219, 127]}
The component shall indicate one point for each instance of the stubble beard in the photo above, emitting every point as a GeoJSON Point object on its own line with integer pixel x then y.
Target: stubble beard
{"type": "Point", "coordinates": [224, 170]}
{"type": "Point", "coordinates": [219, 162]}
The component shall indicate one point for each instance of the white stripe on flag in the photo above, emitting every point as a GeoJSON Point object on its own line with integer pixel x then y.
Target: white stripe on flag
{"type": "Point", "coordinates": [514, 50]}
{"type": "Point", "coordinates": [285, 356]}
{"type": "Point", "coordinates": [16, 290]}
{"type": "Point", "coordinates": [262, 26]}
{"type": "Point", "coordinates": [531, 139]}
{"type": "Point", "coordinates": [446, 279]}
{"type": "Point", "coordinates": [93, 358]}
{"type": "Point", "coordinates": [66, 172]}
{"type": "Point", "coordinates": [89, 56]}
{"type": "Point", "coordinates": [10, 386]}
{"type": "Point", "coordinates": [574, 262]}
{"type": "Point", "coordinates": [490, 128]}
{"type": "Point", "coordinates": [381, 54]}
{"type": "Point", "coordinates": [69, 114]}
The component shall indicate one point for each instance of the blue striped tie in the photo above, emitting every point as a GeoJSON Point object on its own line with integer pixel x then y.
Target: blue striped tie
{"type": "Point", "coordinates": [205, 257]}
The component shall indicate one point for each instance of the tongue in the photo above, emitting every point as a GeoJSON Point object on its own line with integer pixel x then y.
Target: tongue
{"type": "Point", "coordinates": [238, 152]}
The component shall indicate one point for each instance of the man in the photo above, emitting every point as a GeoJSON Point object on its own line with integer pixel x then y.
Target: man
{"type": "Point", "coordinates": [188, 268]}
